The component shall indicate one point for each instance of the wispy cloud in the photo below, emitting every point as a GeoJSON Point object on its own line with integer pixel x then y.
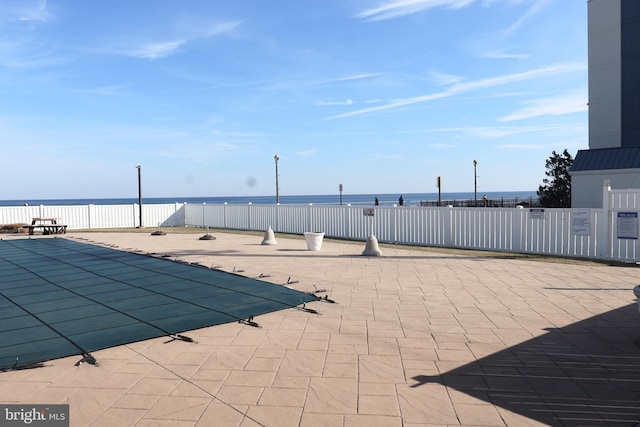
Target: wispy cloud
{"type": "Point", "coordinates": [161, 49]}
{"type": "Point", "coordinates": [520, 147]}
{"type": "Point", "coordinates": [307, 153]}
{"type": "Point", "coordinates": [198, 151]}
{"type": "Point", "coordinates": [535, 8]}
{"type": "Point", "coordinates": [501, 54]}
{"type": "Point", "coordinates": [505, 131]}
{"type": "Point", "coordinates": [219, 28]}
{"type": "Point", "coordinates": [26, 11]}
{"type": "Point", "coordinates": [330, 103]}
{"type": "Point", "coordinates": [398, 8]}
{"type": "Point", "coordinates": [348, 78]}
{"type": "Point", "coordinates": [20, 48]}
{"type": "Point", "coordinates": [380, 156]}
{"type": "Point", "coordinates": [465, 87]}
{"type": "Point", "coordinates": [443, 78]}
{"type": "Point", "coordinates": [574, 102]}
{"type": "Point", "coordinates": [113, 90]}
{"type": "Point", "coordinates": [157, 50]}
{"type": "Point", "coordinates": [237, 136]}
{"type": "Point", "coordinates": [494, 132]}
{"type": "Point", "coordinates": [24, 56]}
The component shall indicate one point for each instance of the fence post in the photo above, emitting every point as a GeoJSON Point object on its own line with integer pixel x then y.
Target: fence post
{"type": "Point", "coordinates": [89, 215]}
{"type": "Point", "coordinates": [310, 217]}
{"type": "Point", "coordinates": [516, 228]}
{"type": "Point", "coordinates": [447, 227]}
{"type": "Point", "coordinates": [347, 221]}
{"type": "Point", "coordinates": [177, 209]}
{"type": "Point", "coordinates": [392, 225]}
{"type": "Point", "coordinates": [224, 215]}
{"type": "Point", "coordinates": [134, 212]}
{"type": "Point", "coordinates": [604, 229]}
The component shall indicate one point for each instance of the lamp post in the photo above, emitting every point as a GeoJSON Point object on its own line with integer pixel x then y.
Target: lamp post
{"type": "Point", "coordinates": [276, 158]}
{"type": "Point", "coordinates": [340, 188]}
{"type": "Point", "coordinates": [139, 194]}
{"type": "Point", "coordinates": [475, 183]}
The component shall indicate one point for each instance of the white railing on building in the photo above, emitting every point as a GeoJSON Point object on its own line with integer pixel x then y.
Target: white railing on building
{"type": "Point", "coordinates": [608, 233]}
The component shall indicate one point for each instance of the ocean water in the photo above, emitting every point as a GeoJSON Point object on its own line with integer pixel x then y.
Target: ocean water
{"type": "Point", "coordinates": [410, 199]}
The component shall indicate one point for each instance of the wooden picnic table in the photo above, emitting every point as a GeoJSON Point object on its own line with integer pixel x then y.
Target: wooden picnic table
{"type": "Point", "coordinates": [48, 226]}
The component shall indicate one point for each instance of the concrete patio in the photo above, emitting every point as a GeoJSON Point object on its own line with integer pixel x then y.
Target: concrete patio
{"type": "Point", "coordinates": [415, 338]}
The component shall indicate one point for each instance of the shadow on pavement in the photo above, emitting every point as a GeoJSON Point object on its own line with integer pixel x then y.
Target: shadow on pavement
{"type": "Point", "coordinates": [584, 374]}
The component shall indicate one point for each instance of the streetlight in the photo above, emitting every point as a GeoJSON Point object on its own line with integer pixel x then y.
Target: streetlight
{"type": "Point", "coordinates": [475, 183]}
{"type": "Point", "coordinates": [276, 158]}
{"type": "Point", "coordinates": [139, 194]}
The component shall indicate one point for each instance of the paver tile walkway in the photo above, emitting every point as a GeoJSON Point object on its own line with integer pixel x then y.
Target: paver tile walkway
{"type": "Point", "coordinates": [415, 338]}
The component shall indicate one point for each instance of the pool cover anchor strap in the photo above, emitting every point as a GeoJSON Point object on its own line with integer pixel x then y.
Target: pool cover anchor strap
{"type": "Point", "coordinates": [88, 358]}
{"type": "Point", "coordinates": [318, 291]}
{"type": "Point", "coordinates": [291, 282]}
{"type": "Point", "coordinates": [327, 299]}
{"type": "Point", "coordinates": [249, 322]}
{"type": "Point", "coordinates": [178, 337]}
{"type": "Point", "coordinates": [17, 367]}
{"type": "Point", "coordinates": [306, 310]}
{"type": "Point", "coordinates": [318, 298]}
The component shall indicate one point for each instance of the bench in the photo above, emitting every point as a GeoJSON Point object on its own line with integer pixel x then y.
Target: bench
{"type": "Point", "coordinates": [48, 226]}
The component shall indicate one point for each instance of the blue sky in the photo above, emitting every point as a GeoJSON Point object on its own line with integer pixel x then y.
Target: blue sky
{"type": "Point", "coordinates": [382, 96]}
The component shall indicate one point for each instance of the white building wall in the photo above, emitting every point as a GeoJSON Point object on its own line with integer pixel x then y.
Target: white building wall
{"type": "Point", "coordinates": [605, 72]}
{"type": "Point", "coordinates": [586, 187]}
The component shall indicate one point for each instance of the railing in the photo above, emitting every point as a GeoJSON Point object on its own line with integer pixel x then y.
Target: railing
{"type": "Point", "coordinates": [608, 233]}
{"type": "Point", "coordinates": [500, 202]}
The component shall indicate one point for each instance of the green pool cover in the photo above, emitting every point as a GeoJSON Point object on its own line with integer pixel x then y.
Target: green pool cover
{"type": "Point", "coordinates": [59, 298]}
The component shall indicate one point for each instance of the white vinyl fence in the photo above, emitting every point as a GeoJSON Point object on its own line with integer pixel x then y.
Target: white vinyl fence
{"type": "Point", "coordinates": [622, 237]}
{"type": "Point", "coordinates": [541, 231]}
{"type": "Point", "coordinates": [97, 216]}
{"type": "Point", "coordinates": [608, 233]}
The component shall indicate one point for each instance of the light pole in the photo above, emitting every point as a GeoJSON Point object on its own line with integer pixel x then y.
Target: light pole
{"type": "Point", "coordinates": [139, 194]}
{"type": "Point", "coordinates": [475, 183]}
{"type": "Point", "coordinates": [340, 188]}
{"type": "Point", "coordinates": [276, 158]}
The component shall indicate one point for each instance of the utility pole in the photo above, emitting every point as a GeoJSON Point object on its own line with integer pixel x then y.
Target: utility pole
{"type": "Point", "coordinates": [139, 194]}
{"type": "Point", "coordinates": [276, 158]}
{"type": "Point", "coordinates": [475, 183]}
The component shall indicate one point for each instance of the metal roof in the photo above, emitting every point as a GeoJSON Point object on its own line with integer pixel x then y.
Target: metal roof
{"type": "Point", "coordinates": [607, 159]}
